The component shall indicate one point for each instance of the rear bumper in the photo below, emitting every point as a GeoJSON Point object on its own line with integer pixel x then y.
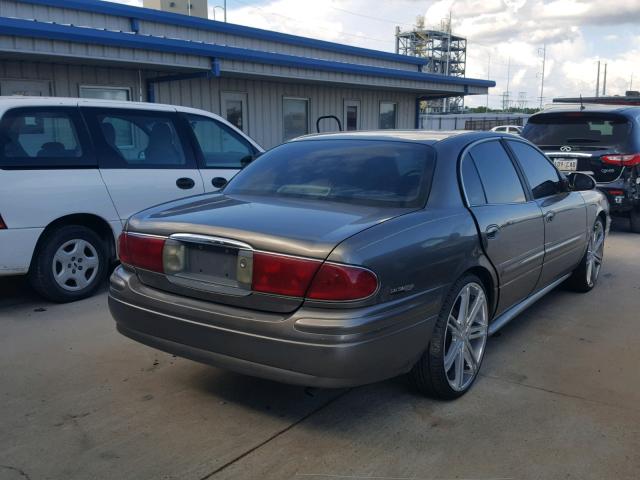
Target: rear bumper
{"type": "Point", "coordinates": [16, 249]}
{"type": "Point", "coordinates": [358, 346]}
{"type": "Point", "coordinates": [619, 197]}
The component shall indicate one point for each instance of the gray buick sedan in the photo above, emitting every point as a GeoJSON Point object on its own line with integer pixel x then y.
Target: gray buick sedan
{"type": "Point", "coordinates": [348, 258]}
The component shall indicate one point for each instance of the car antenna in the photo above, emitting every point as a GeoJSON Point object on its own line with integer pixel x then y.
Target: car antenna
{"type": "Point", "coordinates": [581, 104]}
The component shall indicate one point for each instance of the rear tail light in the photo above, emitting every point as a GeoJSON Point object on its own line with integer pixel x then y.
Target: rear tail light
{"type": "Point", "coordinates": [342, 282]}
{"type": "Point", "coordinates": [615, 192]}
{"type": "Point", "coordinates": [627, 160]}
{"type": "Point", "coordinates": [3, 226]}
{"type": "Point", "coordinates": [282, 275]}
{"type": "Point", "coordinates": [141, 251]}
{"type": "Point", "coordinates": [313, 279]}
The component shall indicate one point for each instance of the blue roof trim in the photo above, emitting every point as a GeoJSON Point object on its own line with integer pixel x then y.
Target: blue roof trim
{"type": "Point", "coordinates": [54, 31]}
{"type": "Point", "coordinates": [120, 10]}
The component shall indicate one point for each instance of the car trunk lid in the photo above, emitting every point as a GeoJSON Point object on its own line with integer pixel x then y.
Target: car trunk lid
{"type": "Point", "coordinates": [218, 235]}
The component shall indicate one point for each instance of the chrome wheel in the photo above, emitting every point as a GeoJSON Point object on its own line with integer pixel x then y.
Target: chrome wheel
{"type": "Point", "coordinates": [465, 336]}
{"type": "Point", "coordinates": [75, 264]}
{"type": "Point", "coordinates": [595, 253]}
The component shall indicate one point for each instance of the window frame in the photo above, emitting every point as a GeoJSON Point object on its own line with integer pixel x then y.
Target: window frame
{"type": "Point", "coordinates": [104, 87]}
{"type": "Point", "coordinates": [521, 171]}
{"type": "Point", "coordinates": [197, 149]}
{"type": "Point", "coordinates": [395, 117]}
{"type": "Point", "coordinates": [90, 115]}
{"type": "Point", "coordinates": [86, 160]}
{"type": "Point", "coordinates": [243, 97]}
{"type": "Point", "coordinates": [346, 103]}
{"type": "Point", "coordinates": [306, 99]}
{"type": "Point", "coordinates": [523, 182]}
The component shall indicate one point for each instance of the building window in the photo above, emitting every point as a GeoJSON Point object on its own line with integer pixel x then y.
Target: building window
{"type": "Point", "coordinates": [295, 113]}
{"type": "Point", "coordinates": [105, 93]}
{"type": "Point", "coordinates": [351, 116]}
{"type": "Point", "coordinates": [234, 109]}
{"type": "Point", "coordinates": [388, 115]}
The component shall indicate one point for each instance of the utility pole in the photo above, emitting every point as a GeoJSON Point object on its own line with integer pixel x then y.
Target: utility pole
{"type": "Point", "coordinates": [488, 78]}
{"type": "Point", "coordinates": [604, 81]}
{"type": "Point", "coordinates": [508, 82]}
{"type": "Point", "coordinates": [598, 81]}
{"type": "Point", "coordinates": [446, 100]}
{"type": "Point", "coordinates": [544, 61]}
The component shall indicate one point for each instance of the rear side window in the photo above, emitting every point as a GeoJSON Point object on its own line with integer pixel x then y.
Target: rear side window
{"type": "Point", "coordinates": [471, 181]}
{"type": "Point", "coordinates": [497, 174]}
{"type": "Point", "coordinates": [366, 172]}
{"type": "Point", "coordinates": [578, 128]}
{"type": "Point", "coordinates": [541, 175]}
{"type": "Point", "coordinates": [42, 138]}
{"type": "Point", "coordinates": [137, 139]}
{"type": "Point", "coordinates": [221, 147]}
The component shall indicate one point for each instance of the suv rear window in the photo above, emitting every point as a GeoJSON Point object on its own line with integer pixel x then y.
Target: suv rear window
{"type": "Point", "coordinates": [380, 173]}
{"type": "Point", "coordinates": [578, 128]}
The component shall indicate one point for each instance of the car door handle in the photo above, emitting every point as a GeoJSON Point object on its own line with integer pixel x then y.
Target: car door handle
{"type": "Point", "coordinates": [218, 182]}
{"type": "Point", "coordinates": [549, 216]}
{"type": "Point", "coordinates": [185, 183]}
{"type": "Point", "coordinates": [492, 231]}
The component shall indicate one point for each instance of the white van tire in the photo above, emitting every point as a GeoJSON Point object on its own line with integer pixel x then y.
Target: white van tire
{"type": "Point", "coordinates": [70, 263]}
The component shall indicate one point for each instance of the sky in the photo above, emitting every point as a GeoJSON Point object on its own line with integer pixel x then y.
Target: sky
{"type": "Point", "coordinates": [504, 37]}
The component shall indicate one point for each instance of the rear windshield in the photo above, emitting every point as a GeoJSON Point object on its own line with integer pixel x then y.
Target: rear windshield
{"type": "Point", "coordinates": [578, 129]}
{"type": "Point", "coordinates": [365, 172]}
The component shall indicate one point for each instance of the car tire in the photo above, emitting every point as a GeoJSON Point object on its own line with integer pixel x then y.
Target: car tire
{"type": "Point", "coordinates": [585, 277]}
{"type": "Point", "coordinates": [70, 264]}
{"type": "Point", "coordinates": [634, 219]}
{"type": "Point", "coordinates": [457, 343]}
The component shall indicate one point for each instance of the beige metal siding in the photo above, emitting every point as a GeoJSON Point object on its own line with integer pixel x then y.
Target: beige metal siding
{"type": "Point", "coordinates": [264, 99]}
{"type": "Point", "coordinates": [65, 80]}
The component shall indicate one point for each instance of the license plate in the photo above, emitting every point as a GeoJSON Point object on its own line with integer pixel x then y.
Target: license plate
{"type": "Point", "coordinates": [566, 165]}
{"type": "Point", "coordinates": [213, 264]}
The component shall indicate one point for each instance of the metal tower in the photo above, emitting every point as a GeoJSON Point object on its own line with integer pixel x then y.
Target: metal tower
{"type": "Point", "coordinates": [447, 55]}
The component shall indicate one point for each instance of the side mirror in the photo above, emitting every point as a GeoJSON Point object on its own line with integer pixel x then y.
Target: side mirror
{"type": "Point", "coordinates": [581, 182]}
{"type": "Point", "coordinates": [249, 158]}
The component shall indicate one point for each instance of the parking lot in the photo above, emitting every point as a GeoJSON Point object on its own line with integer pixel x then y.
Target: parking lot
{"type": "Point", "coordinates": [558, 397]}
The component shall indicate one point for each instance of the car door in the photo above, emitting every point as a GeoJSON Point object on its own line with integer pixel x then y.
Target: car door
{"type": "Point", "coordinates": [144, 157]}
{"type": "Point", "coordinates": [510, 223]}
{"type": "Point", "coordinates": [221, 151]}
{"type": "Point", "coordinates": [565, 212]}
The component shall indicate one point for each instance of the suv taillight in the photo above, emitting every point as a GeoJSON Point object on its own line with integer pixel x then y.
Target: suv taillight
{"type": "Point", "coordinates": [626, 160]}
{"type": "Point", "coordinates": [313, 279]}
{"type": "Point", "coordinates": [3, 226]}
{"type": "Point", "coordinates": [142, 251]}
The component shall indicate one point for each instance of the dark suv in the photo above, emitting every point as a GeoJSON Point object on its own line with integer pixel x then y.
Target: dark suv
{"type": "Point", "coordinates": [603, 141]}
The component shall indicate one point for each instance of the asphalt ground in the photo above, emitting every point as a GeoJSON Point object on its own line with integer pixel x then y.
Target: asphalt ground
{"type": "Point", "coordinates": [558, 397]}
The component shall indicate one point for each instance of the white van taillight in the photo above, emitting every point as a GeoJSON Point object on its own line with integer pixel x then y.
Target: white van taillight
{"type": "Point", "coordinates": [3, 226]}
{"type": "Point", "coordinates": [141, 251]}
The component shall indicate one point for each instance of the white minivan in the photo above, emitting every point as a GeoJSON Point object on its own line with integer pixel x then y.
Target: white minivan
{"type": "Point", "coordinates": [73, 170]}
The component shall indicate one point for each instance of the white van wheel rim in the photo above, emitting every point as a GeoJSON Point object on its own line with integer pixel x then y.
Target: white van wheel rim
{"type": "Point", "coordinates": [75, 265]}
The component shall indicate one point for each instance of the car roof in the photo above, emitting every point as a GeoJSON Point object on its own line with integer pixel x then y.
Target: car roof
{"type": "Point", "coordinates": [26, 101]}
{"type": "Point", "coordinates": [428, 137]}
{"type": "Point", "coordinates": [627, 110]}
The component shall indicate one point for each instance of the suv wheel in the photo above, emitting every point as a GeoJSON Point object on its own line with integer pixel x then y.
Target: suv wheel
{"type": "Point", "coordinates": [70, 264]}
{"type": "Point", "coordinates": [634, 218]}
{"type": "Point", "coordinates": [452, 360]}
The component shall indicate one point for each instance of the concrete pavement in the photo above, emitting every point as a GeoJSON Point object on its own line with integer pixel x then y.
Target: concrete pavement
{"type": "Point", "coordinates": [558, 398]}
